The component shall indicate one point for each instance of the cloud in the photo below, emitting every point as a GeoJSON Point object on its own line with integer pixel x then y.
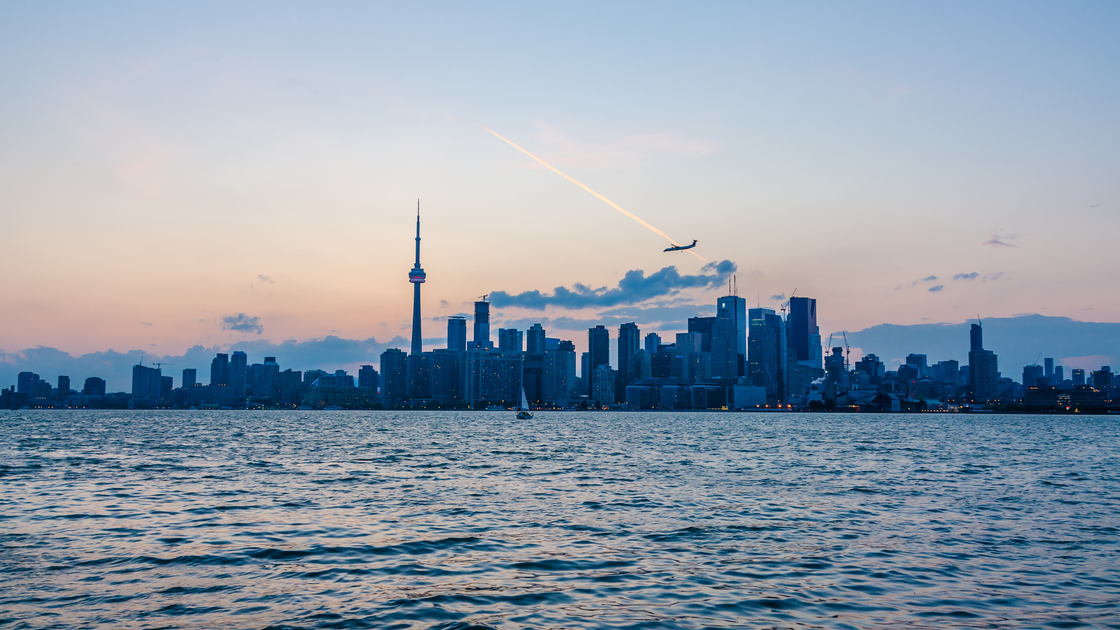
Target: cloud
{"type": "Point", "coordinates": [264, 278]}
{"type": "Point", "coordinates": [926, 279]}
{"type": "Point", "coordinates": [966, 276]}
{"type": "Point", "coordinates": [936, 289]}
{"type": "Point", "coordinates": [146, 323]}
{"type": "Point", "coordinates": [242, 323]}
{"type": "Point", "coordinates": [781, 297]}
{"type": "Point", "coordinates": [1000, 240]}
{"type": "Point", "coordinates": [444, 303]}
{"type": "Point", "coordinates": [635, 287]}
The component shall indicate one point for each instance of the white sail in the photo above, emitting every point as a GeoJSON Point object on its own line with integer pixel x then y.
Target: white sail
{"type": "Point", "coordinates": [524, 401]}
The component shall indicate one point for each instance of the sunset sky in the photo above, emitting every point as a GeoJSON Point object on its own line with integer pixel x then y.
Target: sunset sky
{"type": "Point", "coordinates": [210, 173]}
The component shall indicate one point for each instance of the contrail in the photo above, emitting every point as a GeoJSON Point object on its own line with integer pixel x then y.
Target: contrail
{"type": "Point", "coordinates": [580, 184]}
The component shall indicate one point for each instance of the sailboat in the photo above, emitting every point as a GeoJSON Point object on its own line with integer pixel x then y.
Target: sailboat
{"type": "Point", "coordinates": [523, 412]}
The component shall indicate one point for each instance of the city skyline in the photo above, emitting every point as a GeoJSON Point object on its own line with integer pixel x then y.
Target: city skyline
{"type": "Point", "coordinates": [191, 184]}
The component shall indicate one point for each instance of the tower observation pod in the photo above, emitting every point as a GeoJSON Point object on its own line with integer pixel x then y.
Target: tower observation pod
{"type": "Point", "coordinates": [416, 276]}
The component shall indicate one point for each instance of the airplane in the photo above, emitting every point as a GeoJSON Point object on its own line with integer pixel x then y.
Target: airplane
{"type": "Point", "coordinates": [680, 248]}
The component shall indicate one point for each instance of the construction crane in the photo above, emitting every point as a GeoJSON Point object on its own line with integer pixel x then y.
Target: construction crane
{"type": "Point", "coordinates": [484, 297]}
{"type": "Point", "coordinates": [159, 366]}
{"type": "Point", "coordinates": [785, 305]}
{"type": "Point", "coordinates": [847, 350]}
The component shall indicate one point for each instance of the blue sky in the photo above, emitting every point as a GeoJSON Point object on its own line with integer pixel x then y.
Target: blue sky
{"type": "Point", "coordinates": [166, 167]}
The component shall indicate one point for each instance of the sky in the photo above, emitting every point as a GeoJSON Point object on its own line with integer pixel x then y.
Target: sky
{"type": "Point", "coordinates": [212, 174]}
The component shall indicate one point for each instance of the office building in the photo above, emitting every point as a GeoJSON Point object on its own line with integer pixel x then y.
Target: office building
{"type": "Point", "coordinates": [736, 307]}
{"type": "Point", "coordinates": [652, 343]}
{"type": "Point", "coordinates": [190, 377]}
{"type": "Point", "coordinates": [445, 375]}
{"type": "Point", "coordinates": [1078, 376]}
{"type": "Point", "coordinates": [63, 387]}
{"type": "Point", "coordinates": [1031, 375]}
{"type": "Point", "coordinates": [804, 334]}
{"type": "Point", "coordinates": [765, 357]}
{"type": "Point", "coordinates": [983, 368]}
{"type": "Point", "coordinates": [1048, 372]}
{"type": "Point", "coordinates": [702, 325]}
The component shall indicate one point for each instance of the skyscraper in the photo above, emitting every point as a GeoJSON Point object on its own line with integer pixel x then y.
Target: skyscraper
{"type": "Point", "coordinates": [219, 370]}
{"type": "Point", "coordinates": [534, 340]}
{"type": "Point", "coordinates": [416, 276]}
{"type": "Point", "coordinates": [482, 325]}
{"type": "Point", "coordinates": [629, 342]}
{"type": "Point", "coordinates": [983, 368]}
{"type": "Point", "coordinates": [737, 308]}
{"type": "Point", "coordinates": [560, 374]}
{"type": "Point", "coordinates": [190, 377]}
{"type": "Point", "coordinates": [238, 362]}
{"type": "Point", "coordinates": [457, 333]}
{"type": "Point", "coordinates": [598, 348]}
{"type": "Point", "coordinates": [804, 335]}
{"type": "Point", "coordinates": [653, 340]}
{"type": "Point", "coordinates": [702, 325]}
{"type": "Point", "coordinates": [510, 341]}
{"type": "Point", "coordinates": [394, 377]}
{"type": "Point", "coordinates": [765, 358]}
{"type": "Point", "coordinates": [725, 359]}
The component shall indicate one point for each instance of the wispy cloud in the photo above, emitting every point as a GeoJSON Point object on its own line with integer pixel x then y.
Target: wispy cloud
{"type": "Point", "coordinates": [242, 323]}
{"type": "Point", "coordinates": [635, 287]}
{"type": "Point", "coordinates": [936, 289]}
{"type": "Point", "coordinates": [926, 279]}
{"type": "Point", "coordinates": [1001, 240]}
{"type": "Point", "coordinates": [966, 276]}
{"type": "Point", "coordinates": [264, 278]}
{"type": "Point", "coordinates": [781, 297]}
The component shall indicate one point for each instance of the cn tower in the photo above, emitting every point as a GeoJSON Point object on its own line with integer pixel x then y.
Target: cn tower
{"type": "Point", "coordinates": [416, 277]}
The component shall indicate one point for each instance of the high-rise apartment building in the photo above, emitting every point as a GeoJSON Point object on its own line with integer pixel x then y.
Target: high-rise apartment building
{"type": "Point", "coordinates": [652, 343]}
{"type": "Point", "coordinates": [629, 342]}
{"type": "Point", "coordinates": [804, 334]}
{"type": "Point", "coordinates": [394, 377]}
{"type": "Point", "coordinates": [457, 333]}
{"type": "Point", "coordinates": [219, 370]}
{"type": "Point", "coordinates": [598, 348]}
{"type": "Point", "coordinates": [481, 326]}
{"type": "Point", "coordinates": [510, 341]}
{"type": "Point", "coordinates": [535, 340]}
{"type": "Point", "coordinates": [190, 377]}
{"type": "Point", "coordinates": [560, 374]}
{"type": "Point", "coordinates": [238, 362]}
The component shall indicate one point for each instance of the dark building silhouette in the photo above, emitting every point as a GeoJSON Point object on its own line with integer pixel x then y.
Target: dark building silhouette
{"type": "Point", "coordinates": [238, 373]}
{"type": "Point", "coordinates": [983, 368]}
{"type": "Point", "coordinates": [445, 374]}
{"type": "Point", "coordinates": [25, 382]}
{"type": "Point", "coordinates": [535, 340]}
{"type": "Point", "coordinates": [63, 387]}
{"type": "Point", "coordinates": [803, 331]}
{"type": "Point", "coordinates": [394, 377]}
{"type": "Point", "coordinates": [367, 377]}
{"type": "Point", "coordinates": [457, 333]}
{"type": "Point", "coordinates": [509, 341]}
{"type": "Point", "coordinates": [725, 359]}
{"type": "Point", "coordinates": [737, 308]}
{"type": "Point", "coordinates": [560, 374]}
{"type": "Point", "coordinates": [765, 337]}
{"type": "Point", "coordinates": [146, 383]}
{"type": "Point", "coordinates": [190, 377]}
{"type": "Point", "coordinates": [219, 370]}
{"type": "Point", "coordinates": [416, 276]}
{"type": "Point", "coordinates": [94, 386]}
{"type": "Point", "coordinates": [629, 342]}
{"type": "Point", "coordinates": [481, 326]}
{"type": "Point", "coordinates": [598, 350]}
{"type": "Point", "coordinates": [702, 325]}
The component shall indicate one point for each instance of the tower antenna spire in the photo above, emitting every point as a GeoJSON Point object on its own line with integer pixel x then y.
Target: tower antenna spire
{"type": "Point", "coordinates": [416, 276]}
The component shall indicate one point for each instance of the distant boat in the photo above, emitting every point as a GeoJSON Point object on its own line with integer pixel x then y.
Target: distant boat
{"type": "Point", "coordinates": [523, 412]}
{"type": "Point", "coordinates": [495, 408]}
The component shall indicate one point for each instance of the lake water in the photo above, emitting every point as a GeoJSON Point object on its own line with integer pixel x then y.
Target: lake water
{"type": "Point", "coordinates": [598, 520]}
